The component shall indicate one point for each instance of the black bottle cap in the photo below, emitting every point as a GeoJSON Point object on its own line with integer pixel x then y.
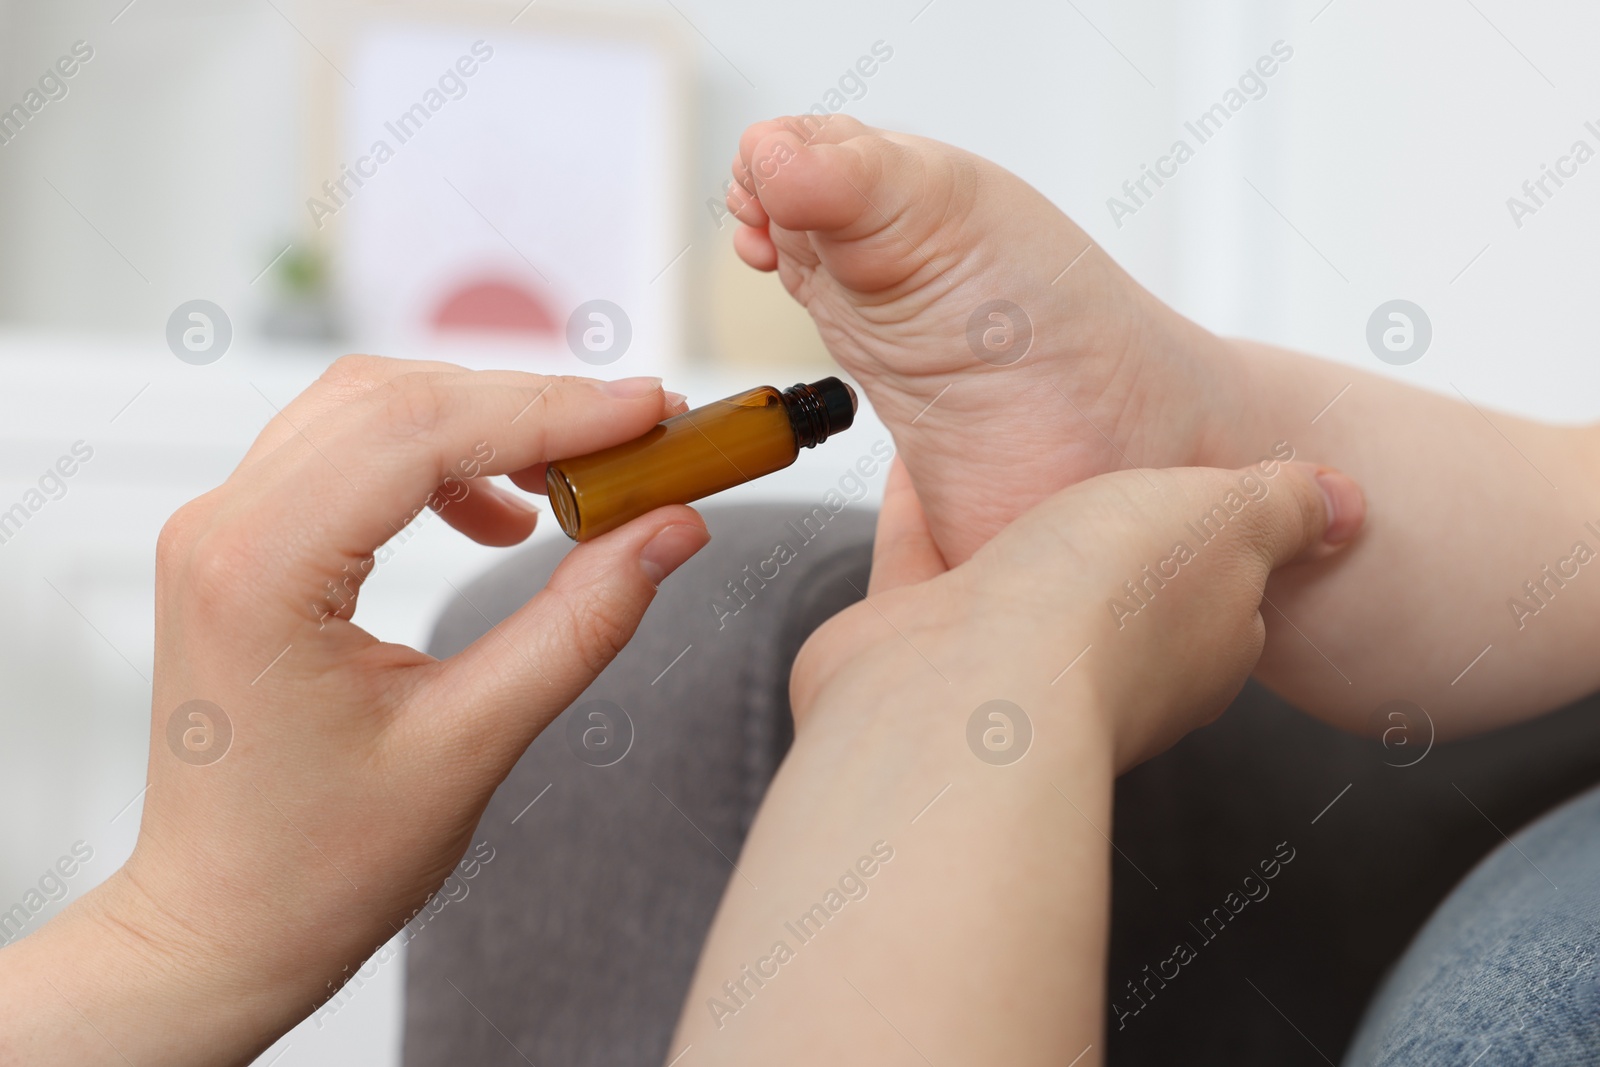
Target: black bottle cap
{"type": "Point", "coordinates": [819, 410]}
{"type": "Point", "coordinates": [838, 403]}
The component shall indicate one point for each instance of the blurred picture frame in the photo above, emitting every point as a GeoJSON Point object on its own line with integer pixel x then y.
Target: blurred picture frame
{"type": "Point", "coordinates": [499, 188]}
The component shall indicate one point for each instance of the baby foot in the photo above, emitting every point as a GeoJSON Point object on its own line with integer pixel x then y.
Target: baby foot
{"type": "Point", "coordinates": [1009, 355]}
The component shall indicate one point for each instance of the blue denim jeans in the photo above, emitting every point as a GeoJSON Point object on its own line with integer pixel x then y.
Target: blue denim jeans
{"type": "Point", "coordinates": [1505, 970]}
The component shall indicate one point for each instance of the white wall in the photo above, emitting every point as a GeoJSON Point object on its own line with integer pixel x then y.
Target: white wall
{"type": "Point", "coordinates": [1390, 142]}
{"type": "Point", "coordinates": [177, 141]}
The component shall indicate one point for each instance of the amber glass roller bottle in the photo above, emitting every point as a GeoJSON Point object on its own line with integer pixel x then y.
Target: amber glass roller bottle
{"type": "Point", "coordinates": [695, 454]}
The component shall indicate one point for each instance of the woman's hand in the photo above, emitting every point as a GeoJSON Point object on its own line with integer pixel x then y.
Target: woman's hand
{"type": "Point", "coordinates": [310, 785]}
{"type": "Point", "coordinates": [929, 874]}
{"type": "Point", "coordinates": [1142, 589]}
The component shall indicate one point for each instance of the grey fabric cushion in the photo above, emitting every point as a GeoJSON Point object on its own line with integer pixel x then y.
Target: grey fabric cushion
{"type": "Point", "coordinates": [575, 943]}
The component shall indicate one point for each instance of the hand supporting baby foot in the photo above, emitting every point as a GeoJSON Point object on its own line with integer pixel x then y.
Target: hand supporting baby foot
{"type": "Point", "coordinates": [1008, 354]}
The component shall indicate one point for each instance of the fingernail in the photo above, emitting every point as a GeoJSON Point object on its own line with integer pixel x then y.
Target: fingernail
{"type": "Point", "coordinates": [631, 388]}
{"type": "Point", "coordinates": [1347, 506]}
{"type": "Point", "coordinates": [677, 401]}
{"type": "Point", "coordinates": [517, 502]}
{"type": "Point", "coordinates": [668, 550]}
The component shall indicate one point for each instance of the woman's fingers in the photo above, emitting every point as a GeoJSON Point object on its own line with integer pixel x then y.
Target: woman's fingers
{"type": "Point", "coordinates": [1193, 546]}
{"type": "Point", "coordinates": [1265, 516]}
{"type": "Point", "coordinates": [903, 551]}
{"type": "Point", "coordinates": [531, 479]}
{"type": "Point", "coordinates": [328, 502]}
{"type": "Point", "coordinates": [506, 686]}
{"type": "Point", "coordinates": [485, 512]}
{"type": "Point", "coordinates": [1311, 513]}
{"type": "Point", "coordinates": [349, 378]}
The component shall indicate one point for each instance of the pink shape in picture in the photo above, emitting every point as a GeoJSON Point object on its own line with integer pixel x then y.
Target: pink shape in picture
{"type": "Point", "coordinates": [497, 306]}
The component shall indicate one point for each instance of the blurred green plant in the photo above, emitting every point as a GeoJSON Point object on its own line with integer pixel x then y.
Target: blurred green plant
{"type": "Point", "coordinates": [304, 306]}
{"type": "Point", "coordinates": [304, 270]}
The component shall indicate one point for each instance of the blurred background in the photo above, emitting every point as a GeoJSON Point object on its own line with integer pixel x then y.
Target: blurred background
{"type": "Point", "coordinates": [541, 156]}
